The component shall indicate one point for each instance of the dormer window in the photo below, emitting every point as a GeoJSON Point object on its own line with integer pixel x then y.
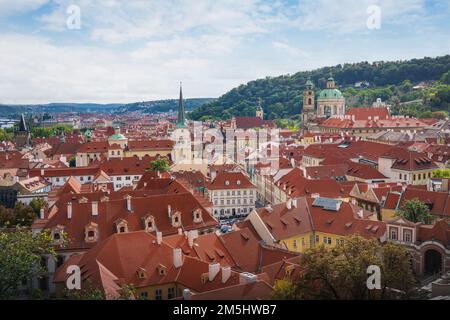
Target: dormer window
{"type": "Point", "coordinates": [149, 223]}
{"type": "Point", "coordinates": [162, 270]}
{"type": "Point", "coordinates": [91, 232]}
{"type": "Point", "coordinates": [238, 182]}
{"type": "Point", "coordinates": [57, 234]}
{"type": "Point", "coordinates": [121, 226]}
{"type": "Point", "coordinates": [141, 273]}
{"type": "Point", "coordinates": [227, 183]}
{"type": "Point", "coordinates": [197, 216]}
{"type": "Point", "coordinates": [176, 219]}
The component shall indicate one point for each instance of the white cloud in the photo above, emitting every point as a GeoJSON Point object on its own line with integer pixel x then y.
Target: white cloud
{"type": "Point", "coordinates": [138, 50]}
{"type": "Point", "coordinates": [285, 47]}
{"type": "Point", "coordinates": [349, 16]}
{"type": "Point", "coordinates": [10, 7]}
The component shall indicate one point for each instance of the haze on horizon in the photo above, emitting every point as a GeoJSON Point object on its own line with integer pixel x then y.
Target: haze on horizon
{"type": "Point", "coordinates": [139, 50]}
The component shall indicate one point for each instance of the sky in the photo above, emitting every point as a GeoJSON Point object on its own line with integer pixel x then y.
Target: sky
{"type": "Point", "coordinates": [117, 51]}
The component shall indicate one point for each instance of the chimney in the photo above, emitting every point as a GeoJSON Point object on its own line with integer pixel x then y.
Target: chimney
{"type": "Point", "coordinates": [226, 274]}
{"type": "Point", "coordinates": [129, 203]}
{"type": "Point", "coordinates": [69, 210]}
{"type": "Point", "coordinates": [177, 258]}
{"type": "Point", "coordinates": [159, 237]}
{"type": "Point", "coordinates": [187, 294]}
{"type": "Point", "coordinates": [191, 237]}
{"type": "Point", "coordinates": [95, 208]}
{"type": "Point", "coordinates": [247, 277]}
{"type": "Point", "coordinates": [180, 231]}
{"type": "Point", "coordinates": [294, 203]}
{"type": "Point", "coordinates": [213, 270]}
{"type": "Point", "coordinates": [169, 210]}
{"type": "Point", "coordinates": [41, 214]}
{"type": "Point", "coordinates": [42, 172]}
{"type": "Point", "coordinates": [360, 213]}
{"type": "Point", "coordinates": [289, 204]}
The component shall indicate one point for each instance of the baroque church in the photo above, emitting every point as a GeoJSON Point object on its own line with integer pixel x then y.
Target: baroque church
{"type": "Point", "coordinates": [330, 102]}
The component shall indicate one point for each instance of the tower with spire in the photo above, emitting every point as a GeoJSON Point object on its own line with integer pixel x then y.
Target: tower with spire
{"type": "Point", "coordinates": [259, 110]}
{"type": "Point", "coordinates": [181, 120]}
{"type": "Point", "coordinates": [308, 112]}
{"type": "Point", "coordinates": [22, 137]}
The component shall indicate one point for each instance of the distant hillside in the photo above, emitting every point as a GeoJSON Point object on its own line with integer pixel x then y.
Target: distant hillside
{"type": "Point", "coordinates": [163, 105]}
{"type": "Point", "coordinates": [12, 110]}
{"type": "Point", "coordinates": [281, 97]}
{"type": "Point", "coordinates": [145, 107]}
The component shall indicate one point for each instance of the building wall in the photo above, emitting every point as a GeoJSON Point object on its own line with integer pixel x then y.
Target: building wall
{"type": "Point", "coordinates": [241, 200]}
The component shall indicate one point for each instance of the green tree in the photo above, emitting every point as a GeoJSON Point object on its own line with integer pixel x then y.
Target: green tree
{"type": "Point", "coordinates": [441, 173]}
{"type": "Point", "coordinates": [21, 215]}
{"type": "Point", "coordinates": [341, 272]}
{"type": "Point", "coordinates": [415, 211]}
{"type": "Point", "coordinates": [160, 165]}
{"type": "Point", "coordinates": [5, 136]}
{"type": "Point", "coordinates": [73, 162]}
{"type": "Point", "coordinates": [37, 204]}
{"type": "Point", "coordinates": [20, 258]}
{"type": "Point", "coordinates": [446, 78]}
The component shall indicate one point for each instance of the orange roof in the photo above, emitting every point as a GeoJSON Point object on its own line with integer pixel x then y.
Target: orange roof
{"type": "Point", "coordinates": [230, 180]}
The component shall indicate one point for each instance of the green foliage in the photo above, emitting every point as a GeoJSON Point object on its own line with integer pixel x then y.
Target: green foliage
{"type": "Point", "coordinates": [161, 165]}
{"type": "Point", "coordinates": [163, 105]}
{"type": "Point", "coordinates": [20, 258]}
{"type": "Point", "coordinates": [5, 135]}
{"type": "Point", "coordinates": [340, 272]}
{"type": "Point", "coordinates": [46, 132]}
{"type": "Point", "coordinates": [22, 215]}
{"type": "Point", "coordinates": [291, 124]}
{"type": "Point", "coordinates": [37, 204]}
{"type": "Point", "coordinates": [281, 96]}
{"type": "Point", "coordinates": [446, 78]}
{"type": "Point", "coordinates": [415, 211]}
{"type": "Point", "coordinates": [441, 173]}
{"type": "Point", "coordinates": [72, 162]}
{"type": "Point", "coordinates": [90, 292]}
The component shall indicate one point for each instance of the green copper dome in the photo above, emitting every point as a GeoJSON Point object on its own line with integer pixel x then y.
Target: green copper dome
{"type": "Point", "coordinates": [330, 94]}
{"type": "Point", "coordinates": [118, 136]}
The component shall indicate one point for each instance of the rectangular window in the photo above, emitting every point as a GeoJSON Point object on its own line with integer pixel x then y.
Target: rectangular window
{"type": "Point", "coordinates": [393, 233]}
{"type": "Point", "coordinates": [144, 294]}
{"type": "Point", "coordinates": [158, 294]}
{"type": "Point", "coordinates": [317, 238]}
{"type": "Point", "coordinates": [170, 293]}
{"type": "Point", "coordinates": [294, 244]}
{"type": "Point", "coordinates": [127, 178]}
{"type": "Point", "coordinates": [407, 235]}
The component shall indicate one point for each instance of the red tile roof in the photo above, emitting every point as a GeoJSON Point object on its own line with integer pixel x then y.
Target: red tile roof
{"type": "Point", "coordinates": [115, 208]}
{"type": "Point", "coordinates": [284, 223]}
{"type": "Point", "coordinates": [363, 113]}
{"type": "Point", "coordinates": [230, 180]}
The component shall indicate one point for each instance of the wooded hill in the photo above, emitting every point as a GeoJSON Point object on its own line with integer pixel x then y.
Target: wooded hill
{"type": "Point", "coordinates": [281, 97]}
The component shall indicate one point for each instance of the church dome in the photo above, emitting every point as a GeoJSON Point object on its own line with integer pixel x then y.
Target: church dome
{"type": "Point", "coordinates": [330, 94]}
{"type": "Point", "coordinates": [117, 136]}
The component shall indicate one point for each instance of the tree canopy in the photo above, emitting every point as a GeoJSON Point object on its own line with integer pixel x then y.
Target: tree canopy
{"type": "Point", "coordinates": [20, 259]}
{"type": "Point", "coordinates": [281, 97]}
{"type": "Point", "coordinates": [160, 165]}
{"type": "Point", "coordinates": [21, 215]}
{"type": "Point", "coordinates": [415, 211]}
{"type": "Point", "coordinates": [340, 272]}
